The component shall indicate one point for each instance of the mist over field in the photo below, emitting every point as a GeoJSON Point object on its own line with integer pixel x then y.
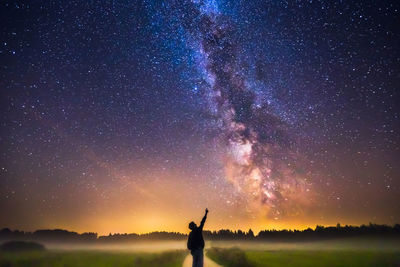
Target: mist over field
{"type": "Point", "coordinates": [141, 246]}
{"type": "Point", "coordinates": [337, 252]}
{"type": "Point", "coordinates": [351, 251]}
{"type": "Point", "coordinates": [373, 244]}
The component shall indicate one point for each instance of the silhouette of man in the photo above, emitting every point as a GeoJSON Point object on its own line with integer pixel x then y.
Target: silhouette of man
{"type": "Point", "coordinates": [196, 242]}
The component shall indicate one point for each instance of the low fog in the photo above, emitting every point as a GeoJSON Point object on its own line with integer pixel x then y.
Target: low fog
{"type": "Point", "coordinates": [160, 246]}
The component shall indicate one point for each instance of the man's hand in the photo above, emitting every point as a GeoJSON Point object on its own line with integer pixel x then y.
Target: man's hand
{"type": "Point", "coordinates": [203, 220]}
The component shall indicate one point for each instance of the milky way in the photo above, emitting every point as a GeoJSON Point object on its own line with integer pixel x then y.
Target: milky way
{"type": "Point", "coordinates": [259, 159]}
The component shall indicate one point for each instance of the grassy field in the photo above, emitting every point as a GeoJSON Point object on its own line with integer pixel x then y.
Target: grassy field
{"type": "Point", "coordinates": [341, 252]}
{"type": "Point", "coordinates": [235, 257]}
{"type": "Point", "coordinates": [54, 258]}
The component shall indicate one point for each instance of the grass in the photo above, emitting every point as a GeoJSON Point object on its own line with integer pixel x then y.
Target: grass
{"type": "Point", "coordinates": [229, 257]}
{"type": "Point", "coordinates": [235, 257]}
{"type": "Point", "coordinates": [91, 258]}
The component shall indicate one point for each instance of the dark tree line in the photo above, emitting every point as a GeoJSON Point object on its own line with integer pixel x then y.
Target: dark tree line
{"type": "Point", "coordinates": [226, 234]}
{"type": "Point", "coordinates": [56, 235]}
{"type": "Point", "coordinates": [320, 232]}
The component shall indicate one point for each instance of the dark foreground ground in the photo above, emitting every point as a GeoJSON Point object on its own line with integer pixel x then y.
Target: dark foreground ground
{"type": "Point", "coordinates": [58, 258]}
{"type": "Point", "coordinates": [348, 252]}
{"type": "Point", "coordinates": [239, 258]}
{"type": "Point", "coordinates": [337, 252]}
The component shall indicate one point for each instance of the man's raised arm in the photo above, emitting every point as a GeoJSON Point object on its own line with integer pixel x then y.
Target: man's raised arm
{"type": "Point", "coordinates": [203, 220]}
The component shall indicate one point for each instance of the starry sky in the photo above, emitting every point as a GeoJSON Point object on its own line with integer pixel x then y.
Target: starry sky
{"type": "Point", "coordinates": [134, 116]}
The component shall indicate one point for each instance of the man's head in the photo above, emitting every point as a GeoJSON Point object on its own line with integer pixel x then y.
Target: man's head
{"type": "Point", "coordinates": [192, 225]}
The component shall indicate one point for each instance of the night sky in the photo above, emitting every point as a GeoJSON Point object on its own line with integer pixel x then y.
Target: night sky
{"type": "Point", "coordinates": [134, 116]}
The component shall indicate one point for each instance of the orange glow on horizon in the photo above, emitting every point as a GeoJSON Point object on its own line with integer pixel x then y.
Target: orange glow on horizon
{"type": "Point", "coordinates": [168, 203]}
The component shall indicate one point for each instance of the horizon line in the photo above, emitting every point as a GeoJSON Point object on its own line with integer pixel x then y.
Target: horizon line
{"type": "Point", "coordinates": [232, 230]}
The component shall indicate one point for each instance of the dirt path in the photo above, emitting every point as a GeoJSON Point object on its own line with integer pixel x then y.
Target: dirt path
{"type": "Point", "coordinates": [207, 262]}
